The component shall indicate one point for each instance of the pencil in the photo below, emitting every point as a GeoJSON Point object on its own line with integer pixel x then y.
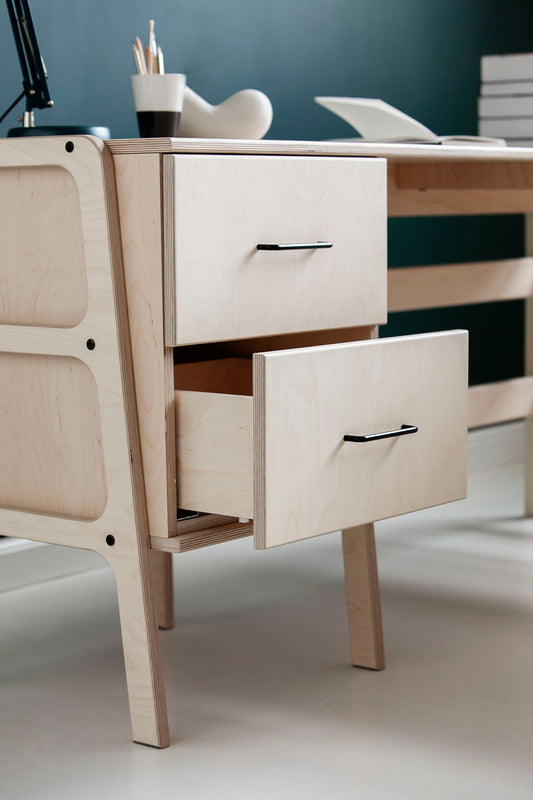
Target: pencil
{"type": "Point", "coordinates": [151, 38]}
{"type": "Point", "coordinates": [141, 55]}
{"type": "Point", "coordinates": [149, 64]}
{"type": "Point", "coordinates": [138, 64]}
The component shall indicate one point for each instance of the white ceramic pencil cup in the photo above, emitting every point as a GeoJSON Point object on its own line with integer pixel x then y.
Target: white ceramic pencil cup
{"type": "Point", "coordinates": [158, 103]}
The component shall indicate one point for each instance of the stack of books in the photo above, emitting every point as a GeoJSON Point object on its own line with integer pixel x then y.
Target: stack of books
{"type": "Point", "coordinates": [505, 105]}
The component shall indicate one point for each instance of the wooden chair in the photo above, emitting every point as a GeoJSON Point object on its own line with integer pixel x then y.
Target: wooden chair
{"type": "Point", "coordinates": [70, 466]}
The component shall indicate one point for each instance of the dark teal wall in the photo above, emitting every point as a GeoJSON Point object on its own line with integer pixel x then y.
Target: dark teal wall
{"type": "Point", "coordinates": [420, 55]}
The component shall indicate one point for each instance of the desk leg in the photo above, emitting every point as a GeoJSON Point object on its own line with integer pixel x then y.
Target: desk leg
{"type": "Point", "coordinates": [140, 639]}
{"type": "Point", "coordinates": [163, 588]}
{"type": "Point", "coordinates": [362, 596]}
{"type": "Point", "coordinates": [138, 179]}
{"type": "Point", "coordinates": [529, 371]}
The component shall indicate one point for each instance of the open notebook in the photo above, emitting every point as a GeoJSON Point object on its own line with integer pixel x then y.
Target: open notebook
{"type": "Point", "coordinates": [378, 121]}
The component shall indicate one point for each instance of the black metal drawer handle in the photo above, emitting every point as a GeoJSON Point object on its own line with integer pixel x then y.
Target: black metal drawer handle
{"type": "Point", "coordinates": [296, 246]}
{"type": "Point", "coordinates": [371, 437]}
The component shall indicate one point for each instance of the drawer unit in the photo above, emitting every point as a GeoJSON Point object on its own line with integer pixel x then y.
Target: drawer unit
{"type": "Point", "coordinates": [280, 457]}
{"type": "Point", "coordinates": [260, 255]}
{"type": "Point", "coordinates": [217, 209]}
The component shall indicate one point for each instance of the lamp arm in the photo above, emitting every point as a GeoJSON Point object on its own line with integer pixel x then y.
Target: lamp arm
{"type": "Point", "coordinates": [31, 63]}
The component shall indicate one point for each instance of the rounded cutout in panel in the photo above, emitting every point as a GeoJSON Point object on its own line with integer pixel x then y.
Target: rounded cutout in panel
{"type": "Point", "coordinates": [43, 277]}
{"type": "Point", "coordinates": [51, 459]}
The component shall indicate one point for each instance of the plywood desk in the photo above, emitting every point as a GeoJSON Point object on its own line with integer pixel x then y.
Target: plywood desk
{"type": "Point", "coordinates": [423, 181]}
{"type": "Point", "coordinates": [173, 309]}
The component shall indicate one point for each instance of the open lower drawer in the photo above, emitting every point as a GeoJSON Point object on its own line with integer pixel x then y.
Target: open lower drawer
{"type": "Point", "coordinates": [280, 456]}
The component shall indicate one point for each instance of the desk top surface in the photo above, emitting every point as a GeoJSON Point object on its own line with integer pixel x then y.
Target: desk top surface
{"type": "Point", "coordinates": [394, 152]}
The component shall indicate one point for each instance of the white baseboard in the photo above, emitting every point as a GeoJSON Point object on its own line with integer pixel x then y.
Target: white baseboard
{"type": "Point", "coordinates": [23, 563]}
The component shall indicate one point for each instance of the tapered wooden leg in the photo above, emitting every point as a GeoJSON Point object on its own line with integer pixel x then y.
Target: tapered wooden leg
{"type": "Point", "coordinates": [163, 588]}
{"type": "Point", "coordinates": [529, 467]}
{"type": "Point", "coordinates": [142, 655]}
{"type": "Point", "coordinates": [529, 371]}
{"type": "Point", "coordinates": [362, 596]}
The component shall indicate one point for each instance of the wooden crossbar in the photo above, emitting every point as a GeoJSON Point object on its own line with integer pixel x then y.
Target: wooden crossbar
{"type": "Point", "coordinates": [503, 401]}
{"type": "Point", "coordinates": [459, 284]}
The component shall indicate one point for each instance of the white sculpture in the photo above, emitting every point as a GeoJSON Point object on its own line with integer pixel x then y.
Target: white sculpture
{"type": "Point", "coordinates": [245, 115]}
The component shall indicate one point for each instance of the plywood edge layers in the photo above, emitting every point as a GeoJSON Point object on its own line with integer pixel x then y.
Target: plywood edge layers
{"type": "Point", "coordinates": [259, 452]}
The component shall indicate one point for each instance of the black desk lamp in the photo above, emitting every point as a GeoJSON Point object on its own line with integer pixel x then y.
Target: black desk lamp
{"type": "Point", "coordinates": [34, 80]}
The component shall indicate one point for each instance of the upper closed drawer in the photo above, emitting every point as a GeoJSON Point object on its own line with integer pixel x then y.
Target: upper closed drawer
{"type": "Point", "coordinates": [219, 286]}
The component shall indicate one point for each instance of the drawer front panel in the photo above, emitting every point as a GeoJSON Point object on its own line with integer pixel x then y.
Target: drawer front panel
{"type": "Point", "coordinates": [308, 480]}
{"type": "Point", "coordinates": [218, 286]}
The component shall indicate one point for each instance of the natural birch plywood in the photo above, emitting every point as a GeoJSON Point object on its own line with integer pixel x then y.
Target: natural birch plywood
{"type": "Point", "coordinates": [528, 369]}
{"type": "Point", "coordinates": [51, 458]}
{"type": "Point", "coordinates": [218, 208]}
{"type": "Point", "coordinates": [287, 442]}
{"type": "Point", "coordinates": [138, 180]}
{"type": "Point", "coordinates": [309, 481]}
{"type": "Point", "coordinates": [43, 279]}
{"type": "Point", "coordinates": [101, 342]}
{"type": "Point", "coordinates": [139, 198]}
{"type": "Point", "coordinates": [215, 453]}
{"type": "Point", "coordinates": [492, 403]}
{"type": "Point", "coordinates": [205, 531]}
{"type": "Point", "coordinates": [223, 376]}
{"type": "Point", "coordinates": [396, 153]}
{"type": "Point", "coordinates": [362, 597]}
{"type": "Point", "coordinates": [422, 180]}
{"type": "Point", "coordinates": [437, 186]}
{"type": "Point", "coordinates": [459, 284]}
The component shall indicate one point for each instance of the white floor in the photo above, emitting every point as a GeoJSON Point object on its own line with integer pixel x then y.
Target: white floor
{"type": "Point", "coordinates": [262, 700]}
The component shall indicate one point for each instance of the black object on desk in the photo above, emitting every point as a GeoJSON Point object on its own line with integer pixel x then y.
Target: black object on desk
{"type": "Point", "coordinates": [34, 79]}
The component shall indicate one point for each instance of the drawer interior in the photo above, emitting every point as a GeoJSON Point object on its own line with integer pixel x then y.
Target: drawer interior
{"type": "Point", "coordinates": [214, 419]}
{"type": "Point", "coordinates": [221, 375]}
{"type": "Point", "coordinates": [214, 426]}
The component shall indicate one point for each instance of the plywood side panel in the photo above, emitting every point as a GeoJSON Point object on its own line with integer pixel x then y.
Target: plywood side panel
{"type": "Point", "coordinates": [139, 198]}
{"type": "Point", "coordinates": [215, 453]}
{"type": "Point", "coordinates": [101, 341]}
{"type": "Point", "coordinates": [42, 274]}
{"type": "Point", "coordinates": [51, 458]}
